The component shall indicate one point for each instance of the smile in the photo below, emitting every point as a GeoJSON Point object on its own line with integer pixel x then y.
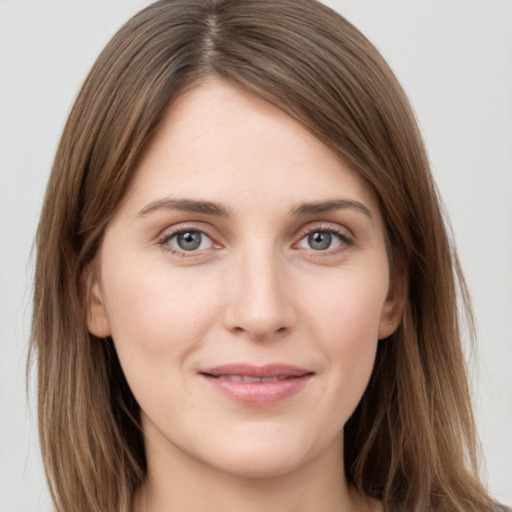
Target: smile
{"type": "Point", "coordinates": [257, 385]}
{"type": "Point", "coordinates": [248, 379]}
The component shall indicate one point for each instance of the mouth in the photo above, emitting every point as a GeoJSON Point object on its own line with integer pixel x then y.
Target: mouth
{"type": "Point", "coordinates": [257, 385]}
{"type": "Point", "coordinates": [248, 378]}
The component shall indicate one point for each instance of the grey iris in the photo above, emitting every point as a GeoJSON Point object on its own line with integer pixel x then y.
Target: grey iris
{"type": "Point", "coordinates": [189, 240]}
{"type": "Point", "coordinates": [319, 240]}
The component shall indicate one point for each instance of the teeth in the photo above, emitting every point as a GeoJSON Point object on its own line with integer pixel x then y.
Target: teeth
{"type": "Point", "coordinates": [248, 379]}
{"type": "Point", "coordinates": [235, 378]}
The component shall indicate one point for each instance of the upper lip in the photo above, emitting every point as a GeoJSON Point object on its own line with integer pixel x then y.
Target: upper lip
{"type": "Point", "coordinates": [249, 370]}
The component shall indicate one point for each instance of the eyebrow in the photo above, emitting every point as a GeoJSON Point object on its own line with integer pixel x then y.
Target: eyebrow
{"type": "Point", "coordinates": [332, 205]}
{"type": "Point", "coordinates": [218, 210]}
{"type": "Point", "coordinates": [185, 205]}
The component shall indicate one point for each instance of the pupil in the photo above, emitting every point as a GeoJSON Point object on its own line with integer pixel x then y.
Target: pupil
{"type": "Point", "coordinates": [319, 241]}
{"type": "Point", "coordinates": [189, 241]}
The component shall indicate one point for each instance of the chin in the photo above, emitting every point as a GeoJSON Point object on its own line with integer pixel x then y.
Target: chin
{"type": "Point", "coordinates": [268, 456]}
{"type": "Point", "coordinates": [259, 465]}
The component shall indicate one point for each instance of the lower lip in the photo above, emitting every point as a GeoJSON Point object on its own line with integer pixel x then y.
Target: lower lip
{"type": "Point", "coordinates": [259, 393]}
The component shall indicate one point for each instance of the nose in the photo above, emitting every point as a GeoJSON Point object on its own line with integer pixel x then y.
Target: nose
{"type": "Point", "coordinates": [260, 302]}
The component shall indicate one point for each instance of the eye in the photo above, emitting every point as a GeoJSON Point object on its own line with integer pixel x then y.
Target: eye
{"type": "Point", "coordinates": [188, 241]}
{"type": "Point", "coordinates": [323, 240]}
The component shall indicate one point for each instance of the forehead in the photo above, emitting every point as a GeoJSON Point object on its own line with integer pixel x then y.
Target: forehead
{"type": "Point", "coordinates": [224, 143]}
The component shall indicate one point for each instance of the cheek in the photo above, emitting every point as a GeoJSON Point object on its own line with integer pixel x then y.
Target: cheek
{"type": "Point", "coordinates": [348, 307]}
{"type": "Point", "coordinates": [144, 301]}
{"type": "Point", "coordinates": [345, 320]}
{"type": "Point", "coordinates": [157, 319]}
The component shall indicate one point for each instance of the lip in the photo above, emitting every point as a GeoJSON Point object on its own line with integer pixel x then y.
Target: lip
{"type": "Point", "coordinates": [241, 382]}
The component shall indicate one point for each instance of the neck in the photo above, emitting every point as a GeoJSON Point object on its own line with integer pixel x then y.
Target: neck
{"type": "Point", "coordinates": [181, 483]}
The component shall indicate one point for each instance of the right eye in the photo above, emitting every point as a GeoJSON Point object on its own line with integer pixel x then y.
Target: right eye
{"type": "Point", "coordinates": [188, 240]}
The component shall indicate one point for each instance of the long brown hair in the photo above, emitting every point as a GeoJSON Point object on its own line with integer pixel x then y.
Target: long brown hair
{"type": "Point", "coordinates": [411, 441]}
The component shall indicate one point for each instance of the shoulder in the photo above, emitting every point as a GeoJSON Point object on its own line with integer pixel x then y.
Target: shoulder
{"type": "Point", "coordinates": [503, 508]}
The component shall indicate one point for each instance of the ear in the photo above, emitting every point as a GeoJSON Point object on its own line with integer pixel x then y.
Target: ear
{"type": "Point", "coordinates": [97, 318]}
{"type": "Point", "coordinates": [394, 304]}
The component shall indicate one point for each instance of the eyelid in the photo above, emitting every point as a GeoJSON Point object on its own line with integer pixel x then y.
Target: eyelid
{"type": "Point", "coordinates": [170, 233]}
{"type": "Point", "coordinates": [346, 237]}
{"type": "Point", "coordinates": [344, 234]}
{"type": "Point", "coordinates": [330, 227]}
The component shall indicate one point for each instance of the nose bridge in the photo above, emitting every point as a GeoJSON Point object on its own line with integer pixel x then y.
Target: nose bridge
{"type": "Point", "coordinates": [260, 302]}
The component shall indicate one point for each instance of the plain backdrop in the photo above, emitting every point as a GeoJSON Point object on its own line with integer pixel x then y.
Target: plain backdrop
{"type": "Point", "coordinates": [454, 58]}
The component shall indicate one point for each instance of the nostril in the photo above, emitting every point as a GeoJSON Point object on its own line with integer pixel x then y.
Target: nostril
{"type": "Point", "coordinates": [259, 333]}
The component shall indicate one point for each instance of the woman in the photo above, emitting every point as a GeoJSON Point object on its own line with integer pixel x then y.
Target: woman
{"type": "Point", "coordinates": [245, 293]}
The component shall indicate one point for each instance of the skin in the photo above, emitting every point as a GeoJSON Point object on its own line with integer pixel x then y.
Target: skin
{"type": "Point", "coordinates": [257, 290]}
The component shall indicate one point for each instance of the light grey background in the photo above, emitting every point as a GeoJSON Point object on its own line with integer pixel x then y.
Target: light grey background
{"type": "Point", "coordinates": [454, 58]}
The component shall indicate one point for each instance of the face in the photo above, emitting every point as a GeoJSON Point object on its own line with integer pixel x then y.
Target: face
{"type": "Point", "coordinates": [245, 283]}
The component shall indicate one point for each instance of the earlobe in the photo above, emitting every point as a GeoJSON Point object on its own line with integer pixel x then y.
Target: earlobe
{"type": "Point", "coordinates": [97, 318]}
{"type": "Point", "coordinates": [393, 307]}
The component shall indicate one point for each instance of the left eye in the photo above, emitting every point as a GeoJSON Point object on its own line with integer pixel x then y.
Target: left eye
{"type": "Point", "coordinates": [321, 240]}
{"type": "Point", "coordinates": [189, 241]}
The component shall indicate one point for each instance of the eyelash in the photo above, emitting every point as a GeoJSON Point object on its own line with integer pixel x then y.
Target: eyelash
{"type": "Point", "coordinates": [167, 237]}
{"type": "Point", "coordinates": [345, 241]}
